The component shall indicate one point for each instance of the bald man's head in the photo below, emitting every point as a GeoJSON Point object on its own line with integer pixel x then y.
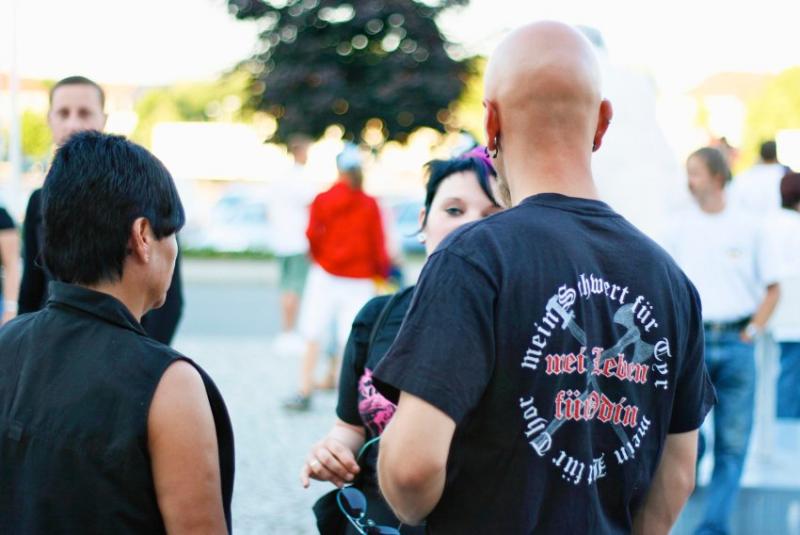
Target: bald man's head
{"type": "Point", "coordinates": [542, 91]}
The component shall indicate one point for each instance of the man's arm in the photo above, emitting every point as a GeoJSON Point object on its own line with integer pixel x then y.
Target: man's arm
{"type": "Point", "coordinates": [314, 229]}
{"type": "Point", "coordinates": [413, 458]}
{"type": "Point", "coordinates": [183, 447]}
{"type": "Point", "coordinates": [672, 485]}
{"type": "Point", "coordinates": [9, 256]}
{"type": "Point", "coordinates": [764, 312]}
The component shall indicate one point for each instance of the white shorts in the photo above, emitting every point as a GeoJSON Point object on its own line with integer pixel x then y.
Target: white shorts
{"type": "Point", "coordinates": [329, 300]}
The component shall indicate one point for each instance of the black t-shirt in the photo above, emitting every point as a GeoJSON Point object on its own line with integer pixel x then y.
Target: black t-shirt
{"type": "Point", "coordinates": [374, 329]}
{"type": "Point", "coordinates": [6, 222]}
{"type": "Point", "coordinates": [359, 402]}
{"type": "Point", "coordinates": [565, 345]}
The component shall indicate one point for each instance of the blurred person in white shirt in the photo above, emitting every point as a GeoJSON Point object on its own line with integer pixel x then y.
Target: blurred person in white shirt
{"type": "Point", "coordinates": [758, 189]}
{"type": "Point", "coordinates": [784, 228]}
{"type": "Point", "coordinates": [724, 251]}
{"type": "Point", "coordinates": [289, 201]}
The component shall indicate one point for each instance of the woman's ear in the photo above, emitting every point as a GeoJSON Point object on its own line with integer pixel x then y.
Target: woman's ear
{"type": "Point", "coordinates": [421, 218]}
{"type": "Point", "coordinates": [140, 238]}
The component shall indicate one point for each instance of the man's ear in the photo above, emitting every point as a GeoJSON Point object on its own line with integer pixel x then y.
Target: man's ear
{"type": "Point", "coordinates": [491, 125]}
{"type": "Point", "coordinates": [603, 120]}
{"type": "Point", "coordinates": [140, 240]}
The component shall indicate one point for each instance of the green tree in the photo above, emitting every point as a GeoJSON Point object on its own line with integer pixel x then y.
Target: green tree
{"type": "Point", "coordinates": [36, 138]}
{"type": "Point", "coordinates": [776, 108]}
{"type": "Point", "coordinates": [324, 62]}
{"type": "Point", "coordinates": [468, 110]}
{"type": "Point", "coordinates": [198, 101]}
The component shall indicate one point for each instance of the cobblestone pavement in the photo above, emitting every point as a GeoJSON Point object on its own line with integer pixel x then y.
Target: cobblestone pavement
{"type": "Point", "coordinates": [230, 320]}
{"type": "Point", "coordinates": [271, 444]}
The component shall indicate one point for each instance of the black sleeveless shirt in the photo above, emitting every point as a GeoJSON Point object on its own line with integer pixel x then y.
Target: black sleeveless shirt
{"type": "Point", "coordinates": [76, 382]}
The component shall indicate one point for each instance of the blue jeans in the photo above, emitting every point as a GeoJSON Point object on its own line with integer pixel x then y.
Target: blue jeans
{"type": "Point", "coordinates": [789, 381]}
{"type": "Point", "coordinates": [731, 365]}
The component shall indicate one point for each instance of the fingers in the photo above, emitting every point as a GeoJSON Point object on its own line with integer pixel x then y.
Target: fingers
{"type": "Point", "coordinates": [344, 455]}
{"type": "Point", "coordinates": [316, 470]}
{"type": "Point", "coordinates": [330, 463]}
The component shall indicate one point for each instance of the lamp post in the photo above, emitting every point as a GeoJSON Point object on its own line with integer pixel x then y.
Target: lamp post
{"type": "Point", "coordinates": [15, 145]}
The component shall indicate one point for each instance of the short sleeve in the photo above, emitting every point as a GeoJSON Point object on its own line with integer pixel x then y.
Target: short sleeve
{"type": "Point", "coordinates": [6, 222]}
{"type": "Point", "coordinates": [444, 352]}
{"type": "Point", "coordinates": [354, 360]}
{"type": "Point", "coordinates": [694, 392]}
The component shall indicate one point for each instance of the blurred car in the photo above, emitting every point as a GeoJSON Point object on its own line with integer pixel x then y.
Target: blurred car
{"type": "Point", "coordinates": [238, 222]}
{"type": "Point", "coordinates": [405, 224]}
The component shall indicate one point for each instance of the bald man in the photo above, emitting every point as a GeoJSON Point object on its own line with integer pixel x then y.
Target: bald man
{"type": "Point", "coordinates": [549, 373]}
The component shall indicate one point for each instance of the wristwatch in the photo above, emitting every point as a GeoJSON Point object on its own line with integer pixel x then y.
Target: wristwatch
{"type": "Point", "coordinates": [752, 330]}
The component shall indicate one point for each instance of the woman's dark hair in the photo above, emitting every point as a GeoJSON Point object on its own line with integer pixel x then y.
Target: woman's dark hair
{"type": "Point", "coordinates": [715, 162]}
{"type": "Point", "coordinates": [790, 190]}
{"type": "Point", "coordinates": [97, 186]}
{"type": "Point", "coordinates": [439, 170]}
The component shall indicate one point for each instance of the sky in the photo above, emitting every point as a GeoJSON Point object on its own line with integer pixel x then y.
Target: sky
{"type": "Point", "coordinates": [155, 42]}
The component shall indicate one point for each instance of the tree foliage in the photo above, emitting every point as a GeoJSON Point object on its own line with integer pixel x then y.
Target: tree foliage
{"type": "Point", "coordinates": [777, 108]}
{"type": "Point", "coordinates": [198, 101]}
{"type": "Point", "coordinates": [36, 137]}
{"type": "Point", "coordinates": [323, 62]}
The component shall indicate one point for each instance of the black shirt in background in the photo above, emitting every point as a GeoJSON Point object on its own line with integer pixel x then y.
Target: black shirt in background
{"type": "Point", "coordinates": [6, 222]}
{"type": "Point", "coordinates": [161, 323]}
{"type": "Point", "coordinates": [565, 345]}
{"type": "Point", "coordinates": [76, 383]}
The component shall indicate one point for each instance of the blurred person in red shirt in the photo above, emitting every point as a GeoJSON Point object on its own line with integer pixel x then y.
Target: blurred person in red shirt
{"type": "Point", "coordinates": [346, 242]}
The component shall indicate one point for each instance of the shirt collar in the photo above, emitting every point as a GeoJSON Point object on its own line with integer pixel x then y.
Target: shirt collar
{"type": "Point", "coordinates": [98, 304]}
{"type": "Point", "coordinates": [573, 204]}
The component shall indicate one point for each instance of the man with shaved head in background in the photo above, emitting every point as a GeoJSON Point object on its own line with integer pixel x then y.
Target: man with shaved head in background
{"type": "Point", "coordinates": [550, 370]}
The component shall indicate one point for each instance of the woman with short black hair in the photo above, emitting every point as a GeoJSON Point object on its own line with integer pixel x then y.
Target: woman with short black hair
{"type": "Point", "coordinates": [458, 191]}
{"type": "Point", "coordinates": [103, 429]}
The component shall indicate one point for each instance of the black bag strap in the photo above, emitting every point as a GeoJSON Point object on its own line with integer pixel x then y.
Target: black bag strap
{"type": "Point", "coordinates": [384, 314]}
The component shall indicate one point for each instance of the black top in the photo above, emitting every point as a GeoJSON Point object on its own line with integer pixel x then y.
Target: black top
{"type": "Point", "coordinates": [160, 324]}
{"type": "Point", "coordinates": [76, 382]}
{"type": "Point", "coordinates": [374, 329]}
{"type": "Point", "coordinates": [565, 345]}
{"type": "Point", "coordinates": [6, 222]}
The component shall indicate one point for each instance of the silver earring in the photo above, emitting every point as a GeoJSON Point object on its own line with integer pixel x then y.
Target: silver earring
{"type": "Point", "coordinates": [496, 147]}
{"type": "Point", "coordinates": [421, 237]}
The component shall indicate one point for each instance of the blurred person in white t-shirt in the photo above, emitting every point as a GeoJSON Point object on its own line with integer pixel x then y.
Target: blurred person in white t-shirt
{"type": "Point", "coordinates": [289, 201]}
{"type": "Point", "coordinates": [723, 250]}
{"type": "Point", "coordinates": [784, 228]}
{"type": "Point", "coordinates": [758, 189]}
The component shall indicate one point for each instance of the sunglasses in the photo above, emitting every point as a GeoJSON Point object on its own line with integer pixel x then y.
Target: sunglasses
{"type": "Point", "coordinates": [353, 504]}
